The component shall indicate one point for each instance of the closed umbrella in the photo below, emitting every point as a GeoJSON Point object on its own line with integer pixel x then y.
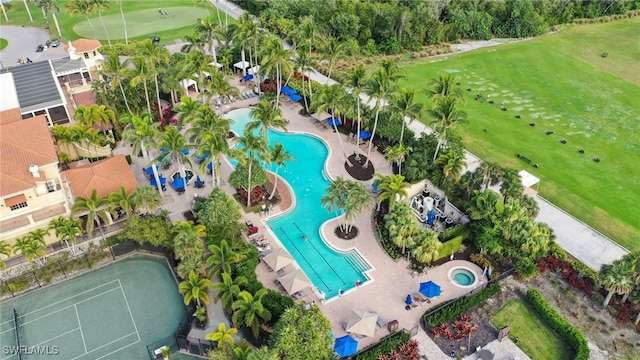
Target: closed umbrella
{"type": "Point", "coordinates": [334, 121]}
{"type": "Point", "coordinates": [346, 346]}
{"type": "Point", "coordinates": [362, 323]}
{"type": "Point", "coordinates": [408, 300]}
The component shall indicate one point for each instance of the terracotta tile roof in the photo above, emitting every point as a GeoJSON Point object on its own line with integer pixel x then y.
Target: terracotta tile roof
{"type": "Point", "coordinates": [22, 143]}
{"type": "Point", "coordinates": [84, 45]}
{"type": "Point", "coordinates": [106, 176]}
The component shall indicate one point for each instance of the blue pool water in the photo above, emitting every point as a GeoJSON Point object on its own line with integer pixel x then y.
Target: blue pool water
{"type": "Point", "coordinates": [328, 270]}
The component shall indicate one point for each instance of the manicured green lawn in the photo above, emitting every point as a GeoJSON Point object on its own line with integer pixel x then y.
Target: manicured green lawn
{"type": "Point", "coordinates": [562, 84]}
{"type": "Point", "coordinates": [535, 338]}
{"type": "Point", "coordinates": [3, 43]}
{"type": "Point", "coordinates": [142, 19]}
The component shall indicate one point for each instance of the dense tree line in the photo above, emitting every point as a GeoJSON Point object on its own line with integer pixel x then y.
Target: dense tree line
{"type": "Point", "coordinates": [389, 26]}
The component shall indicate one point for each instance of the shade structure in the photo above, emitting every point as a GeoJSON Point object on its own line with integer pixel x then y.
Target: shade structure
{"type": "Point", "coordinates": [278, 259]}
{"type": "Point", "coordinates": [294, 281]}
{"type": "Point", "coordinates": [241, 65]}
{"type": "Point", "coordinates": [364, 134]}
{"type": "Point", "coordinates": [345, 346]}
{"type": "Point", "coordinates": [408, 300]}
{"type": "Point", "coordinates": [149, 170]}
{"type": "Point", "coordinates": [295, 97]}
{"type": "Point", "coordinates": [248, 77]}
{"type": "Point", "coordinates": [429, 289]}
{"type": "Point", "coordinates": [178, 183]}
{"type": "Point", "coordinates": [334, 121]}
{"type": "Point", "coordinates": [321, 116]}
{"type": "Point", "coordinates": [362, 323]}
{"type": "Point", "coordinates": [152, 181]}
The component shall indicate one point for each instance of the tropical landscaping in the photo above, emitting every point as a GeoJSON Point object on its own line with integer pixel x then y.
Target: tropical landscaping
{"type": "Point", "coordinates": [213, 257]}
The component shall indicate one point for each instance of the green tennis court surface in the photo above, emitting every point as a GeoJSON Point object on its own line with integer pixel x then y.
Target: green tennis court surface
{"type": "Point", "coordinates": [110, 313]}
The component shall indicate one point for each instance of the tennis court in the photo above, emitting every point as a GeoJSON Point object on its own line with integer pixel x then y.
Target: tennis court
{"type": "Point", "coordinates": [110, 313]}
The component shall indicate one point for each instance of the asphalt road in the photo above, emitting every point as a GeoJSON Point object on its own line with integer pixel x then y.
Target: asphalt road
{"type": "Point", "coordinates": [23, 42]}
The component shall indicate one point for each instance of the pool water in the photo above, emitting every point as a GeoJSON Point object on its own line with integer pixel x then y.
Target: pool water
{"type": "Point", "coordinates": [328, 270]}
{"type": "Point", "coordinates": [463, 277]}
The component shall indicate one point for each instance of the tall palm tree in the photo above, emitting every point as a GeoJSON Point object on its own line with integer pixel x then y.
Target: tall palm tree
{"type": "Point", "coordinates": [5, 251]}
{"type": "Point", "coordinates": [391, 188]}
{"type": "Point", "coordinates": [193, 41]}
{"type": "Point", "coordinates": [146, 199]}
{"type": "Point", "coordinates": [140, 132]}
{"type": "Point", "coordinates": [308, 32]}
{"type": "Point", "coordinates": [96, 210]}
{"type": "Point", "coordinates": [141, 74]}
{"type": "Point", "coordinates": [221, 258]}
{"type": "Point", "coordinates": [427, 246]}
{"type": "Point", "coordinates": [616, 278]}
{"type": "Point", "coordinates": [397, 154]}
{"type": "Point", "coordinates": [156, 56]}
{"type": "Point", "coordinates": [357, 82]}
{"type": "Point", "coordinates": [332, 98]}
{"type": "Point", "coordinates": [117, 71]}
{"type": "Point", "coordinates": [404, 105]}
{"type": "Point", "coordinates": [210, 32]}
{"type": "Point", "coordinates": [304, 63]}
{"type": "Point", "coordinates": [171, 144]}
{"type": "Point", "coordinates": [102, 5]}
{"type": "Point", "coordinates": [276, 60]}
{"type": "Point", "coordinates": [209, 134]}
{"type": "Point", "coordinates": [446, 115]}
{"type": "Point", "coordinates": [30, 248]}
{"type": "Point", "coordinates": [264, 117]}
{"type": "Point", "coordinates": [248, 310]}
{"type": "Point", "coordinates": [242, 37]}
{"type": "Point", "coordinates": [402, 226]}
{"type": "Point", "coordinates": [124, 23]}
{"type": "Point", "coordinates": [357, 200]}
{"type": "Point", "coordinates": [443, 85]}
{"type": "Point", "coordinates": [334, 200]}
{"type": "Point", "coordinates": [332, 50]}
{"type": "Point", "coordinates": [227, 289]}
{"type": "Point", "coordinates": [195, 287]}
{"type": "Point", "coordinates": [4, 11]}
{"type": "Point", "coordinates": [95, 116]}
{"type": "Point", "coordinates": [26, 6]}
{"type": "Point", "coordinates": [50, 7]}
{"type": "Point", "coordinates": [256, 147]}
{"type": "Point", "coordinates": [67, 230]}
{"type": "Point", "coordinates": [83, 8]}
{"type": "Point", "coordinates": [222, 336]}
{"type": "Point", "coordinates": [197, 66]}
{"type": "Point", "coordinates": [279, 157]}
{"type": "Point", "coordinates": [484, 204]}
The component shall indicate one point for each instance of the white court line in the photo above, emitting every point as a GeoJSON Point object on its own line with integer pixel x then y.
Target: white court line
{"type": "Point", "coordinates": [56, 337]}
{"type": "Point", "coordinates": [80, 327]}
{"type": "Point", "coordinates": [63, 300]}
{"type": "Point", "coordinates": [109, 343]}
{"type": "Point", "coordinates": [129, 308]}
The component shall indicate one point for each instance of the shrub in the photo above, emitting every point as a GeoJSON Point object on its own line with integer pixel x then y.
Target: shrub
{"type": "Point", "coordinates": [462, 230]}
{"type": "Point", "coordinates": [276, 303]}
{"type": "Point", "coordinates": [454, 308]}
{"type": "Point", "coordinates": [559, 324]}
{"type": "Point", "coordinates": [384, 347]}
{"type": "Point", "coordinates": [480, 260]}
{"type": "Point", "coordinates": [449, 247]}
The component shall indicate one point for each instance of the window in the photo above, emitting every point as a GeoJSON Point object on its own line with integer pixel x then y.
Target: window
{"type": "Point", "coordinates": [18, 206]}
{"type": "Point", "coordinates": [86, 55]}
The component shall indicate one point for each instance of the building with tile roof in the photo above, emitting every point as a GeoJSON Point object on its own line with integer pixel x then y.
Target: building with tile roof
{"type": "Point", "coordinates": [106, 176]}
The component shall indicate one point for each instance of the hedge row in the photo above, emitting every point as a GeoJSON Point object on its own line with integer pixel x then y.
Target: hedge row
{"type": "Point", "coordinates": [452, 309]}
{"type": "Point", "coordinates": [449, 247]}
{"type": "Point", "coordinates": [384, 347]}
{"type": "Point", "coordinates": [559, 324]}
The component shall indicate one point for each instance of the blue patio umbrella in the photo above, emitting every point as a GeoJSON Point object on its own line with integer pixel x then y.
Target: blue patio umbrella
{"type": "Point", "coordinates": [346, 346]}
{"type": "Point", "coordinates": [247, 77]}
{"type": "Point", "coordinates": [287, 90]}
{"type": "Point", "coordinates": [431, 216]}
{"type": "Point", "coordinates": [365, 134]}
{"type": "Point", "coordinates": [202, 157]}
{"type": "Point", "coordinates": [429, 289]}
{"type": "Point", "coordinates": [177, 183]}
{"type": "Point", "coordinates": [408, 300]}
{"type": "Point", "coordinates": [334, 121]}
{"type": "Point", "coordinates": [295, 97]}
{"type": "Point", "coordinates": [149, 170]}
{"type": "Point", "coordinates": [152, 181]}
{"type": "Point", "coordinates": [183, 151]}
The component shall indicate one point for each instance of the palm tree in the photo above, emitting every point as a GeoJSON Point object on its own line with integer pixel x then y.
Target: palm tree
{"type": "Point", "coordinates": [50, 7]}
{"type": "Point", "coordinates": [140, 131]}
{"type": "Point", "coordinates": [197, 66]}
{"type": "Point", "coordinates": [26, 6]}
{"type": "Point", "coordinates": [120, 199]}
{"type": "Point", "coordinates": [304, 63]}
{"type": "Point", "coordinates": [210, 32]}
{"type": "Point", "coordinates": [446, 115]}
{"type": "Point", "coordinates": [67, 230]}
{"type": "Point", "coordinates": [404, 106]}
{"type": "Point", "coordinates": [30, 248]}
{"type": "Point", "coordinates": [142, 72]}
{"type": "Point", "coordinates": [156, 57]}
{"type": "Point", "coordinates": [188, 239]}
{"type": "Point", "coordinates": [427, 246]}
{"type": "Point", "coordinates": [193, 41]}
{"type": "Point", "coordinates": [209, 134]}
{"type": "Point", "coordinates": [616, 278]}
{"type": "Point", "coordinates": [357, 82]}
{"type": "Point", "coordinates": [452, 163]}
{"type": "Point", "coordinates": [484, 204]}
{"type": "Point", "coordinates": [221, 258]}
{"type": "Point", "coordinates": [257, 150]}
{"type": "Point", "coordinates": [228, 289]}
{"type": "Point", "coordinates": [391, 188]}
{"type": "Point", "coordinates": [248, 310]}
{"type": "Point", "coordinates": [263, 353]}
{"type": "Point", "coordinates": [279, 157]}
{"type": "Point", "coordinates": [357, 200]}
{"type": "Point", "coordinates": [443, 85]}
{"type": "Point", "coordinates": [276, 60]}
{"type": "Point", "coordinates": [101, 5]}
{"type": "Point", "coordinates": [308, 32]}
{"type": "Point", "coordinates": [84, 8]}
{"type": "Point", "coordinates": [332, 50]}
{"type": "Point", "coordinates": [222, 336]}
{"type": "Point", "coordinates": [196, 288]}
{"type": "Point", "coordinates": [332, 98]}
{"type": "Point", "coordinates": [95, 116]}
{"type": "Point", "coordinates": [335, 198]}
{"type": "Point", "coordinates": [402, 226]}
{"type": "Point", "coordinates": [397, 154]}
{"type": "Point", "coordinates": [4, 11]}
{"type": "Point", "coordinates": [117, 71]}
{"type": "Point", "coordinates": [5, 251]}
{"type": "Point", "coordinates": [146, 199]}
{"type": "Point", "coordinates": [266, 116]}
{"type": "Point", "coordinates": [94, 208]}
{"type": "Point", "coordinates": [171, 145]}
{"type": "Point", "coordinates": [124, 23]}
{"type": "Point", "coordinates": [242, 36]}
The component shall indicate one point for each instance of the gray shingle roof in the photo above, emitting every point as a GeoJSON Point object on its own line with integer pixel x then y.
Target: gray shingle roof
{"type": "Point", "coordinates": [35, 85]}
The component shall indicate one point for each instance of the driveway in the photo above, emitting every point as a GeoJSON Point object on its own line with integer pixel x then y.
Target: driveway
{"type": "Point", "coordinates": [23, 42]}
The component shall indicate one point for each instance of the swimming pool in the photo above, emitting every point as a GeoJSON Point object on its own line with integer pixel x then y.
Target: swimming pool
{"type": "Point", "coordinates": [328, 270]}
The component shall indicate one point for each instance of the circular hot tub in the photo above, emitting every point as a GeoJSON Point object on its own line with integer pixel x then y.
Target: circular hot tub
{"type": "Point", "coordinates": [462, 277]}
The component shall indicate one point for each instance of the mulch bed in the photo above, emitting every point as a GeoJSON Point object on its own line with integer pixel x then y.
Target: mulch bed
{"type": "Point", "coordinates": [346, 235]}
{"type": "Point", "coordinates": [358, 171]}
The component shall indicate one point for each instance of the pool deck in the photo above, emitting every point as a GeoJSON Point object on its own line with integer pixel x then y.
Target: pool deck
{"type": "Point", "coordinates": [391, 280]}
